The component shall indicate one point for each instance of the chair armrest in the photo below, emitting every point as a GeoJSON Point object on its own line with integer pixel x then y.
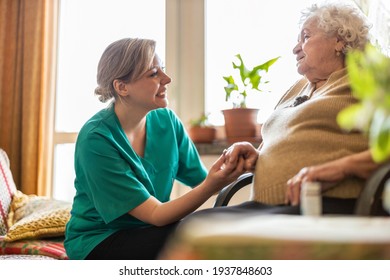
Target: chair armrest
{"type": "Point", "coordinates": [227, 192]}
{"type": "Point", "coordinates": [369, 202]}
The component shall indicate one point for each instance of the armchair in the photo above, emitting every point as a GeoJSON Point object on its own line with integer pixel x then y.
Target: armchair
{"type": "Point", "coordinates": [369, 203]}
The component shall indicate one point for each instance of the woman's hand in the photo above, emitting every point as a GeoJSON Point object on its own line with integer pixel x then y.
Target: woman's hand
{"type": "Point", "coordinates": [224, 171]}
{"type": "Point", "coordinates": [329, 174]}
{"type": "Point", "coordinates": [360, 165]}
{"type": "Point", "coordinates": [239, 158]}
{"type": "Point", "coordinates": [243, 150]}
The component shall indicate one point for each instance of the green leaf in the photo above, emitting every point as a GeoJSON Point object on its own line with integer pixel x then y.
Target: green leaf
{"type": "Point", "coordinates": [362, 81]}
{"type": "Point", "coordinates": [348, 116]}
{"type": "Point", "coordinates": [380, 146]}
{"type": "Point", "coordinates": [265, 66]}
{"type": "Point", "coordinates": [229, 79]}
{"type": "Point", "coordinates": [380, 135]}
{"type": "Point", "coordinates": [369, 75]}
{"type": "Point", "coordinates": [250, 79]}
{"type": "Point", "coordinates": [244, 73]}
{"type": "Point", "coordinates": [231, 86]}
{"type": "Point", "coordinates": [255, 81]}
{"type": "Point", "coordinates": [201, 121]}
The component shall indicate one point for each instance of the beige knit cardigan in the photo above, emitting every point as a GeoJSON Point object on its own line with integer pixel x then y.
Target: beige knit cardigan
{"type": "Point", "coordinates": [306, 135]}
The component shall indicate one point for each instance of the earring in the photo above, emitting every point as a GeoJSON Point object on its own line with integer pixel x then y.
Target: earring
{"type": "Point", "coordinates": [338, 53]}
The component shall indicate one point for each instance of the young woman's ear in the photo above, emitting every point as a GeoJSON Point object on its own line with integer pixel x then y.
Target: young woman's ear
{"type": "Point", "coordinates": [120, 87]}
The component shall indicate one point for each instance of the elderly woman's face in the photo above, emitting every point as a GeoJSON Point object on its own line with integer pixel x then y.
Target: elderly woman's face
{"type": "Point", "coordinates": [316, 53]}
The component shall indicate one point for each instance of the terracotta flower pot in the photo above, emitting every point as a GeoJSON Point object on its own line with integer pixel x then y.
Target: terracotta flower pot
{"type": "Point", "coordinates": [241, 125]}
{"type": "Point", "coordinates": [202, 134]}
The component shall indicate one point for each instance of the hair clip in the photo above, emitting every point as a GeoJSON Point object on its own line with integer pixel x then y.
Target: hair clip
{"type": "Point", "coordinates": [299, 100]}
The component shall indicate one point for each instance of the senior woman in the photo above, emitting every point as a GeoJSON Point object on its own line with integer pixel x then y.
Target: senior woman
{"type": "Point", "coordinates": [303, 131]}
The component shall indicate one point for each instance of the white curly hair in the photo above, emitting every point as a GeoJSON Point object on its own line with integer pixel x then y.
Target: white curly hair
{"type": "Point", "coordinates": [343, 19]}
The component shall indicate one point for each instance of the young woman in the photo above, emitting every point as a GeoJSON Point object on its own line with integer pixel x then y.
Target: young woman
{"type": "Point", "coordinates": [127, 157]}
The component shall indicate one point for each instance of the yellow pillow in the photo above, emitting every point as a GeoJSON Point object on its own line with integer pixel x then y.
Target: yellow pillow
{"type": "Point", "coordinates": [34, 216]}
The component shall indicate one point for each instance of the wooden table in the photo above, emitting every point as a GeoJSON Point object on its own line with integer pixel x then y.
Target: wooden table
{"type": "Point", "coordinates": [279, 237]}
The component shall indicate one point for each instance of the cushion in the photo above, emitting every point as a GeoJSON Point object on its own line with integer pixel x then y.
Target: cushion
{"type": "Point", "coordinates": [49, 247]}
{"type": "Point", "coordinates": [34, 216]}
{"type": "Point", "coordinates": [7, 190]}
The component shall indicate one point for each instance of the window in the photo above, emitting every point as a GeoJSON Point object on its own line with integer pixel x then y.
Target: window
{"type": "Point", "coordinates": [259, 31]}
{"type": "Point", "coordinates": [85, 29]}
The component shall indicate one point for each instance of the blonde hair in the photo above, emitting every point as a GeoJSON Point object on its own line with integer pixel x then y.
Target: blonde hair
{"type": "Point", "coordinates": [126, 59]}
{"type": "Point", "coordinates": [341, 19]}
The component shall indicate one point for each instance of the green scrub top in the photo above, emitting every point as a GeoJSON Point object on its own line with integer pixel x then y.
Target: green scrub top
{"type": "Point", "coordinates": [111, 179]}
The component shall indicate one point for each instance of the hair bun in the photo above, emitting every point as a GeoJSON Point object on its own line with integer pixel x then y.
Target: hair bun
{"type": "Point", "coordinates": [104, 95]}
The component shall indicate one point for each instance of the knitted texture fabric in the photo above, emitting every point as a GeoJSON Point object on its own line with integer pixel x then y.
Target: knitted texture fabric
{"type": "Point", "coordinates": [7, 190]}
{"type": "Point", "coordinates": [34, 216]}
{"type": "Point", "coordinates": [304, 135]}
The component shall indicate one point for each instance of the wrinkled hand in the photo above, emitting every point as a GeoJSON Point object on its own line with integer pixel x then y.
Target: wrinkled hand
{"type": "Point", "coordinates": [244, 150]}
{"type": "Point", "coordinates": [329, 174]}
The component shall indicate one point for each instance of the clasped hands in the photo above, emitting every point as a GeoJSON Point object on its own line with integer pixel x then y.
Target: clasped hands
{"type": "Point", "coordinates": [242, 151]}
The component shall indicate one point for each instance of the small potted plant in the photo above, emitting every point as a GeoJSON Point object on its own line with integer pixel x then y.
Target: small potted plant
{"type": "Point", "coordinates": [201, 131]}
{"type": "Point", "coordinates": [241, 121]}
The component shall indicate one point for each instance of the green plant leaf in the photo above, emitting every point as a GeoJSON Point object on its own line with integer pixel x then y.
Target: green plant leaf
{"type": "Point", "coordinates": [255, 76]}
{"type": "Point", "coordinates": [255, 80]}
{"type": "Point", "coordinates": [250, 79]}
{"type": "Point", "coordinates": [348, 116]}
{"type": "Point", "coordinates": [361, 80]}
{"type": "Point", "coordinates": [244, 73]}
{"type": "Point", "coordinates": [265, 66]}
{"type": "Point", "coordinates": [201, 121]}
{"type": "Point", "coordinates": [380, 141]}
{"type": "Point", "coordinates": [231, 86]}
{"type": "Point", "coordinates": [369, 75]}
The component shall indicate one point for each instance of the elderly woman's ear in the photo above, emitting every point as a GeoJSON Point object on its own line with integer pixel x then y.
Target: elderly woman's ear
{"type": "Point", "coordinates": [339, 46]}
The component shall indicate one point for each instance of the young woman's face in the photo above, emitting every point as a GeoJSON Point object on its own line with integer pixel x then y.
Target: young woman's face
{"type": "Point", "coordinates": [150, 91]}
{"type": "Point", "coordinates": [316, 53]}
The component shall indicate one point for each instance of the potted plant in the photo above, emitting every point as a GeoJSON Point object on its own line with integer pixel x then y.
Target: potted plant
{"type": "Point", "coordinates": [368, 72]}
{"type": "Point", "coordinates": [201, 131]}
{"type": "Point", "coordinates": [241, 121]}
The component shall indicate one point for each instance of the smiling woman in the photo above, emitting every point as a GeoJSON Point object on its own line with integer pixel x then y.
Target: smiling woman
{"type": "Point", "coordinates": [129, 155]}
{"type": "Point", "coordinates": [310, 40]}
